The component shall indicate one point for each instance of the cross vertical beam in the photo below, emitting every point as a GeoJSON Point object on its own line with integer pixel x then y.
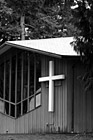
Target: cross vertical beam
{"type": "Point", "coordinates": [51, 87]}
{"type": "Point", "coordinates": [51, 79]}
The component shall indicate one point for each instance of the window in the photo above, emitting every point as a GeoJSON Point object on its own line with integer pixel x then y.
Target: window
{"type": "Point", "coordinates": [31, 75]}
{"type": "Point", "coordinates": [35, 86]}
{"type": "Point", "coordinates": [13, 74]}
{"type": "Point", "coordinates": [25, 75]}
{"type": "Point", "coordinates": [38, 100]}
{"type": "Point", "coordinates": [7, 70]}
{"type": "Point", "coordinates": [2, 80]}
{"type": "Point", "coordinates": [19, 74]}
{"type": "Point", "coordinates": [20, 91]}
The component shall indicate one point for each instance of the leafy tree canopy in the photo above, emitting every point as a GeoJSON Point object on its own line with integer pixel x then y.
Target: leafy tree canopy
{"type": "Point", "coordinates": [43, 19]}
{"type": "Point", "coordinates": [11, 12]}
{"type": "Point", "coordinates": [83, 20]}
{"type": "Point", "coordinates": [9, 23]}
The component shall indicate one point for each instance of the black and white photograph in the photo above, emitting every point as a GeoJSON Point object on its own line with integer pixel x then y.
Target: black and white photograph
{"type": "Point", "coordinates": [46, 69]}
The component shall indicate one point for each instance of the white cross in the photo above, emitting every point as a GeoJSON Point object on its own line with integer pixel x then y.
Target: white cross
{"type": "Point", "coordinates": [51, 79]}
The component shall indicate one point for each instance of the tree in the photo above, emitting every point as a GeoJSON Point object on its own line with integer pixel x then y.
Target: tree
{"type": "Point", "coordinates": [54, 20]}
{"type": "Point", "coordinates": [14, 14]}
{"type": "Point", "coordinates": [41, 19]}
{"type": "Point", "coordinates": [9, 29]}
{"type": "Point", "coordinates": [83, 44]}
{"type": "Point", "coordinates": [25, 9]}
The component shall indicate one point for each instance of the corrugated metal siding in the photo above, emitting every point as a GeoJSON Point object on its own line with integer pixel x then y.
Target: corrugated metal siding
{"type": "Point", "coordinates": [40, 120]}
{"type": "Point", "coordinates": [69, 87]}
{"type": "Point", "coordinates": [83, 104]}
{"type": "Point", "coordinates": [7, 124]}
{"type": "Point", "coordinates": [59, 118]}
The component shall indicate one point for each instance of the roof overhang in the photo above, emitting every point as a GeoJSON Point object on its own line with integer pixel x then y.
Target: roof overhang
{"type": "Point", "coordinates": [56, 47]}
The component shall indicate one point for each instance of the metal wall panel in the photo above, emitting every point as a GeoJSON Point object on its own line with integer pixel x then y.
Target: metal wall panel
{"type": "Point", "coordinates": [73, 108]}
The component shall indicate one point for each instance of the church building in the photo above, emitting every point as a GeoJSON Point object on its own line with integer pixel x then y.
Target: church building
{"type": "Point", "coordinates": [41, 90]}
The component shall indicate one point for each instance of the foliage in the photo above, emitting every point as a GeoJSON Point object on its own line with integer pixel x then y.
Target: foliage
{"type": "Point", "coordinates": [43, 19]}
{"type": "Point", "coordinates": [54, 20]}
{"type": "Point", "coordinates": [8, 23]}
{"type": "Point", "coordinates": [83, 20]}
{"type": "Point", "coordinates": [11, 12]}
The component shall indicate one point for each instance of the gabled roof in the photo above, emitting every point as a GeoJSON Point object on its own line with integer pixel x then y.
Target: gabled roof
{"type": "Point", "coordinates": [53, 46]}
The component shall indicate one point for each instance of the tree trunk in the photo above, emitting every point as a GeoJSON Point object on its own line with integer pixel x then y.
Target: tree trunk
{"type": "Point", "coordinates": [22, 23]}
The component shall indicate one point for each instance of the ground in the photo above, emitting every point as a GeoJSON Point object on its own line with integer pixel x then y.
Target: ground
{"type": "Point", "coordinates": [46, 137]}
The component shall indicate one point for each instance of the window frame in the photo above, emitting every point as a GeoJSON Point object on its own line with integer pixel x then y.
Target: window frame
{"type": "Point", "coordinates": [27, 99]}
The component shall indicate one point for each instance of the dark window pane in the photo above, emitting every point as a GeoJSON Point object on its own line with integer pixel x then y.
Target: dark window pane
{"type": "Point", "coordinates": [12, 112]}
{"type": "Point", "coordinates": [13, 79]}
{"type": "Point", "coordinates": [19, 67]}
{"type": "Point", "coordinates": [25, 74]}
{"type": "Point", "coordinates": [25, 107]}
{"type": "Point", "coordinates": [38, 72]}
{"type": "Point", "coordinates": [31, 92]}
{"type": "Point", "coordinates": [1, 80]}
{"type": "Point", "coordinates": [6, 108]}
{"type": "Point", "coordinates": [19, 110]}
{"type": "Point", "coordinates": [7, 80]}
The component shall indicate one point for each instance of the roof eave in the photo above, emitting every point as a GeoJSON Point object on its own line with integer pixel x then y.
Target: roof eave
{"type": "Point", "coordinates": [3, 49]}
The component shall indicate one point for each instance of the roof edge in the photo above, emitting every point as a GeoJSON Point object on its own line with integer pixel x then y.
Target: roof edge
{"type": "Point", "coordinates": [30, 49]}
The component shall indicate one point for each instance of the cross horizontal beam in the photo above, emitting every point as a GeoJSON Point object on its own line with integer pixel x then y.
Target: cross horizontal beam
{"type": "Point", "coordinates": [56, 77]}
